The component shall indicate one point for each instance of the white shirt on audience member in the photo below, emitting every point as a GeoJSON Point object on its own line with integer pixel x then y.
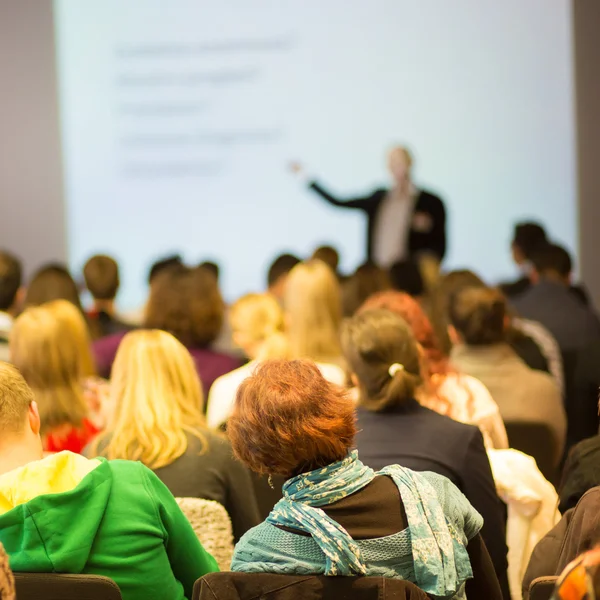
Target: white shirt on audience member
{"type": "Point", "coordinates": [222, 392]}
{"type": "Point", "coordinates": [392, 227]}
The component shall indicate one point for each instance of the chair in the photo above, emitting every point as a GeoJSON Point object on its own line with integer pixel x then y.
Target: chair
{"type": "Point", "coordinates": [542, 588]}
{"type": "Point", "coordinates": [58, 586]}
{"type": "Point", "coordinates": [537, 440]}
{"type": "Point", "coordinates": [212, 526]}
{"type": "Point", "coordinates": [270, 586]}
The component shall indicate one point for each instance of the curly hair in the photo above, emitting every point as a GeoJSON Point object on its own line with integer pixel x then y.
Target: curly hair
{"type": "Point", "coordinates": [288, 419]}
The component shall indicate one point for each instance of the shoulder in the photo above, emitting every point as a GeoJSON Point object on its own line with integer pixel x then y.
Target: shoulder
{"type": "Point", "coordinates": [428, 198]}
{"type": "Point", "coordinates": [472, 389]}
{"type": "Point", "coordinates": [109, 342]}
{"type": "Point", "coordinates": [229, 382]}
{"type": "Point", "coordinates": [542, 382]}
{"type": "Point", "coordinates": [333, 373]}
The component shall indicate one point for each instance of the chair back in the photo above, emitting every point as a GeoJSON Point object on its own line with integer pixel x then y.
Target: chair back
{"type": "Point", "coordinates": [59, 586]}
{"type": "Point", "coordinates": [251, 586]}
{"type": "Point", "coordinates": [542, 588]}
{"type": "Point", "coordinates": [537, 440]}
{"type": "Point", "coordinates": [212, 526]}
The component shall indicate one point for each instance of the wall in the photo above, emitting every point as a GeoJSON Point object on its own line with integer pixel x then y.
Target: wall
{"type": "Point", "coordinates": [32, 220]}
{"type": "Point", "coordinates": [586, 21]}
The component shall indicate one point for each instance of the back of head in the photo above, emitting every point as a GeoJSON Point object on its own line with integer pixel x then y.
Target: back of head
{"type": "Point", "coordinates": [410, 310]}
{"type": "Point", "coordinates": [257, 325]}
{"type": "Point", "coordinates": [288, 419]}
{"type": "Point", "coordinates": [527, 238]}
{"type": "Point", "coordinates": [45, 350]}
{"type": "Point", "coordinates": [367, 280]}
{"type": "Point", "coordinates": [213, 267]}
{"type": "Point", "coordinates": [156, 396]}
{"type": "Point", "coordinates": [313, 311]}
{"type": "Point", "coordinates": [383, 354]}
{"type": "Point", "coordinates": [552, 260]}
{"type": "Point", "coordinates": [405, 276]}
{"type": "Point", "coordinates": [10, 280]}
{"type": "Point", "coordinates": [439, 302]}
{"type": "Point", "coordinates": [280, 267]}
{"type": "Point", "coordinates": [479, 315]}
{"type": "Point", "coordinates": [187, 303]}
{"type": "Point", "coordinates": [164, 264]}
{"type": "Point", "coordinates": [329, 255]}
{"type": "Point", "coordinates": [15, 399]}
{"type": "Point", "coordinates": [101, 274]}
{"type": "Point", "coordinates": [52, 282]}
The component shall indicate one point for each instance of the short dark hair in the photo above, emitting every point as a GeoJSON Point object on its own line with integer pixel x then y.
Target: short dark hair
{"type": "Point", "coordinates": [405, 276]}
{"type": "Point", "coordinates": [101, 274]}
{"type": "Point", "coordinates": [329, 255]}
{"type": "Point", "coordinates": [213, 267]}
{"type": "Point", "coordinates": [528, 237]}
{"type": "Point", "coordinates": [186, 302]}
{"type": "Point", "coordinates": [552, 258]}
{"type": "Point", "coordinates": [478, 314]}
{"type": "Point", "coordinates": [10, 279]}
{"type": "Point", "coordinates": [163, 264]}
{"type": "Point", "coordinates": [52, 282]}
{"type": "Point", "coordinates": [281, 266]}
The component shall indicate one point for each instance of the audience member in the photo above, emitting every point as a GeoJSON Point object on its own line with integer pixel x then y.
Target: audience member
{"type": "Point", "coordinates": [65, 513]}
{"type": "Point", "coordinates": [443, 389]}
{"type": "Point", "coordinates": [550, 301]}
{"type": "Point", "coordinates": [405, 276]}
{"type": "Point", "coordinates": [478, 317]}
{"type": "Point", "coordinates": [101, 274]}
{"type": "Point", "coordinates": [337, 516]}
{"type": "Point", "coordinates": [278, 274]}
{"type": "Point", "coordinates": [10, 283]}
{"type": "Point", "coordinates": [48, 344]}
{"type": "Point", "coordinates": [367, 280]}
{"type": "Point", "coordinates": [584, 419]}
{"type": "Point", "coordinates": [257, 323]}
{"type": "Point", "coordinates": [527, 238]}
{"type": "Point", "coordinates": [185, 302]}
{"type": "Point", "coordinates": [7, 582]}
{"type": "Point", "coordinates": [52, 282]}
{"type": "Point", "coordinates": [313, 313]}
{"type": "Point", "coordinates": [394, 428]}
{"type": "Point", "coordinates": [156, 418]}
{"type": "Point", "coordinates": [581, 578]}
{"type": "Point", "coordinates": [581, 472]}
{"type": "Point", "coordinates": [576, 532]}
{"type": "Point", "coordinates": [530, 340]}
{"type": "Point", "coordinates": [329, 255]}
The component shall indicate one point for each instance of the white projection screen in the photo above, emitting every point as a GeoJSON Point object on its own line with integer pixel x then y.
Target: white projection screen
{"type": "Point", "coordinates": [179, 120]}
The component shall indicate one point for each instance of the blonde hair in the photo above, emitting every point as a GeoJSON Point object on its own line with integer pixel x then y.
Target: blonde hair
{"type": "Point", "coordinates": [72, 318]}
{"type": "Point", "coordinates": [259, 319]}
{"type": "Point", "coordinates": [46, 350]}
{"type": "Point", "coordinates": [313, 312]}
{"type": "Point", "coordinates": [157, 398]}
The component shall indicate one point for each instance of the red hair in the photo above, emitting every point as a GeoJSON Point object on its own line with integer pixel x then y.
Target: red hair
{"type": "Point", "coordinates": [288, 419]}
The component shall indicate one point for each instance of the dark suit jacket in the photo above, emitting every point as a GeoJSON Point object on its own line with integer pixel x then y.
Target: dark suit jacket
{"type": "Point", "coordinates": [433, 241]}
{"type": "Point", "coordinates": [422, 440]}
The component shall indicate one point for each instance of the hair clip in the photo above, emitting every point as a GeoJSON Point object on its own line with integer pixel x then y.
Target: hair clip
{"type": "Point", "coordinates": [395, 368]}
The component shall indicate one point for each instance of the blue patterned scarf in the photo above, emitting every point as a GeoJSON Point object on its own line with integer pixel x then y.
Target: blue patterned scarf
{"type": "Point", "coordinates": [440, 558]}
{"type": "Point", "coordinates": [298, 509]}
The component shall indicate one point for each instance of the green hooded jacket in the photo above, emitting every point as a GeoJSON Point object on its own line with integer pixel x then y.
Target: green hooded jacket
{"type": "Point", "coordinates": [68, 514]}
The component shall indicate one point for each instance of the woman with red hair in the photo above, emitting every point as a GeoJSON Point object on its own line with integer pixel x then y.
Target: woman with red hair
{"type": "Point", "coordinates": [338, 516]}
{"type": "Point", "coordinates": [444, 390]}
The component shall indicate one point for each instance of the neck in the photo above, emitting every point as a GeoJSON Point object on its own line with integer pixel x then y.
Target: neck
{"type": "Point", "coordinates": [402, 186]}
{"type": "Point", "coordinates": [17, 453]}
{"type": "Point", "coordinates": [107, 306]}
{"type": "Point", "coordinates": [554, 278]}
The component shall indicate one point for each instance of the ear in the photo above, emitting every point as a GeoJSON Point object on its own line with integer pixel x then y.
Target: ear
{"type": "Point", "coordinates": [34, 418]}
{"type": "Point", "coordinates": [534, 276]}
{"type": "Point", "coordinates": [454, 336]}
{"type": "Point", "coordinates": [354, 379]}
{"type": "Point", "coordinates": [507, 322]}
{"type": "Point", "coordinates": [20, 298]}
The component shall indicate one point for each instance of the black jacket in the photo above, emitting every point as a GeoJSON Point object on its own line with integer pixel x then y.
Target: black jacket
{"type": "Point", "coordinates": [433, 241]}
{"type": "Point", "coordinates": [422, 440]}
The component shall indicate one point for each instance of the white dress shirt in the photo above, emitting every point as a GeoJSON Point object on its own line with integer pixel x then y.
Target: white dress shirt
{"type": "Point", "coordinates": [392, 227]}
